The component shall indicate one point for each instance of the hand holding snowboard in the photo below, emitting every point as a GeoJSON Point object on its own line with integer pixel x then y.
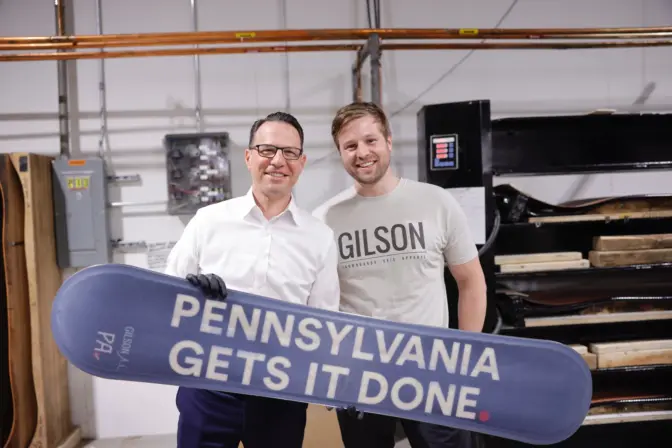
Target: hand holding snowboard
{"type": "Point", "coordinates": [212, 286]}
{"type": "Point", "coordinates": [127, 323]}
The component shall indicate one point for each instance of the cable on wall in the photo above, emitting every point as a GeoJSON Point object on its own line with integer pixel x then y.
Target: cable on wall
{"type": "Point", "coordinates": [373, 21]}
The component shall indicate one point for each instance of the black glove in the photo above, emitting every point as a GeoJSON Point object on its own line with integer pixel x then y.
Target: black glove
{"type": "Point", "coordinates": [351, 411]}
{"type": "Point", "coordinates": [210, 284]}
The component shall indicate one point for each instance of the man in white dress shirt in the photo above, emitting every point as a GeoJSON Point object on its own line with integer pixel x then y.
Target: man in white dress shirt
{"type": "Point", "coordinates": [260, 243]}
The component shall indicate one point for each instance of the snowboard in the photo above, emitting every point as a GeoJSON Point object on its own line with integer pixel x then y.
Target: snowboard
{"type": "Point", "coordinates": [122, 322]}
{"type": "Point", "coordinates": [19, 405]}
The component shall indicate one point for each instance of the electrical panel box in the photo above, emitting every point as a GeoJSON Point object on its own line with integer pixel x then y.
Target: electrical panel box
{"type": "Point", "coordinates": [80, 209]}
{"type": "Point", "coordinates": [199, 171]}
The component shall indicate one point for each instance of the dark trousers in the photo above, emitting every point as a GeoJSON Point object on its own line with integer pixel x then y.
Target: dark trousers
{"type": "Point", "coordinates": [377, 431]}
{"type": "Point", "coordinates": [220, 420]}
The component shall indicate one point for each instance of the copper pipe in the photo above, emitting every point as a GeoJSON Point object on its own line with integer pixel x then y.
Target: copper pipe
{"type": "Point", "coordinates": [528, 46]}
{"type": "Point", "coordinates": [259, 36]}
{"type": "Point", "coordinates": [174, 52]}
{"type": "Point", "coordinates": [215, 40]}
{"type": "Point", "coordinates": [333, 47]}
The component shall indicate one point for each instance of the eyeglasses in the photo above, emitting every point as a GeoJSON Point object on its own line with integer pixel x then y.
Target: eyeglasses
{"type": "Point", "coordinates": [269, 151]}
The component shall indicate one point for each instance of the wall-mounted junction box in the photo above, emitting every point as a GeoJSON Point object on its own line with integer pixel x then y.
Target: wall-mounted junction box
{"type": "Point", "coordinates": [199, 171]}
{"type": "Point", "coordinates": [80, 212]}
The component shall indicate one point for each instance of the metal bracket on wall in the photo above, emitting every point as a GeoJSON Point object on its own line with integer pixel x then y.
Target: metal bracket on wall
{"type": "Point", "coordinates": [127, 247]}
{"type": "Point", "coordinates": [370, 49]}
{"type": "Point", "coordinates": [124, 179]}
{"type": "Point", "coordinates": [135, 204]}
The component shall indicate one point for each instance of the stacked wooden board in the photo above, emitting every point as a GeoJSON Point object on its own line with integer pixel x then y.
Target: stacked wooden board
{"type": "Point", "coordinates": [608, 251]}
{"type": "Point", "coordinates": [643, 398]}
{"type": "Point", "coordinates": [632, 353]}
{"type": "Point", "coordinates": [631, 250]}
{"type": "Point", "coordinates": [605, 355]}
{"type": "Point", "coordinates": [539, 262]}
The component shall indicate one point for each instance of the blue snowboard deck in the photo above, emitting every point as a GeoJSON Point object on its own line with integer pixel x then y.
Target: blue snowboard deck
{"type": "Point", "coordinates": [126, 323]}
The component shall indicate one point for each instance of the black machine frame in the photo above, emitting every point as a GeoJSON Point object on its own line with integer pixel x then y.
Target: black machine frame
{"type": "Point", "coordinates": [538, 146]}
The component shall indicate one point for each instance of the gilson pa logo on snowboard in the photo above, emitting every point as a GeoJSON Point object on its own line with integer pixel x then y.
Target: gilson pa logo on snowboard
{"type": "Point", "coordinates": [105, 345]}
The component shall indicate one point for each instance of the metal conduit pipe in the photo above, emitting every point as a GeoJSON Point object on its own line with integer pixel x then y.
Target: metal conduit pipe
{"type": "Point", "coordinates": [197, 71]}
{"type": "Point", "coordinates": [62, 69]}
{"type": "Point", "coordinates": [103, 147]}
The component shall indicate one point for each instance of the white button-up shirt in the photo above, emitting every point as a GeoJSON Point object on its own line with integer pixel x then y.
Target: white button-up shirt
{"type": "Point", "coordinates": [291, 257]}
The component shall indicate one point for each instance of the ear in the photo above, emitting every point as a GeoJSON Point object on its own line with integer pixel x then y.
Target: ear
{"type": "Point", "coordinates": [248, 154]}
{"type": "Point", "coordinates": [389, 143]}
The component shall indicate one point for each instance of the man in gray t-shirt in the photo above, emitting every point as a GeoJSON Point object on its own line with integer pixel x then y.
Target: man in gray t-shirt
{"type": "Point", "coordinates": [395, 236]}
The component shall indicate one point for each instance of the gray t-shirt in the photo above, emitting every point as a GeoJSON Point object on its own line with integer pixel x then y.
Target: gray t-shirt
{"type": "Point", "coordinates": [393, 249]}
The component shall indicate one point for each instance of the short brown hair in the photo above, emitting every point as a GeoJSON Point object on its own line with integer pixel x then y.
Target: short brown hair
{"type": "Point", "coordinates": [353, 111]}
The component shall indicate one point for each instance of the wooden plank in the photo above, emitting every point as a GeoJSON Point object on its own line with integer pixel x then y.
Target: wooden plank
{"type": "Point", "coordinates": [50, 368]}
{"type": "Point", "coordinates": [629, 257]}
{"type": "Point", "coordinates": [603, 217]}
{"type": "Point", "coordinates": [537, 258]}
{"type": "Point", "coordinates": [627, 417]}
{"type": "Point", "coordinates": [18, 308]}
{"type": "Point", "coordinates": [545, 266]}
{"type": "Point", "coordinates": [622, 346]}
{"type": "Point", "coordinates": [590, 358]}
{"type": "Point", "coordinates": [634, 358]}
{"type": "Point", "coordinates": [579, 348]}
{"type": "Point", "coordinates": [586, 319]}
{"type": "Point", "coordinates": [633, 242]}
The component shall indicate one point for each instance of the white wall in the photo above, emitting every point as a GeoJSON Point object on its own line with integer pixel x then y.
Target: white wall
{"type": "Point", "coordinates": [149, 97]}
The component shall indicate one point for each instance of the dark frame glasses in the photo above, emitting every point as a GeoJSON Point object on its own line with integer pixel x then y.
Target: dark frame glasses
{"type": "Point", "coordinates": [269, 151]}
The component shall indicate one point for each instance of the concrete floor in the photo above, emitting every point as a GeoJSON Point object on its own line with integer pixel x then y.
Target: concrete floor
{"type": "Point", "coordinates": [164, 441]}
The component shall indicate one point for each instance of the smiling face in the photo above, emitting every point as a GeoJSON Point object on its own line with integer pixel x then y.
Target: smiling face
{"type": "Point", "coordinates": [274, 177]}
{"type": "Point", "coordinates": [364, 149]}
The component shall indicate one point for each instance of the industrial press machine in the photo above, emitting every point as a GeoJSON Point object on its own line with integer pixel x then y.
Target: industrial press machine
{"type": "Point", "coordinates": [594, 273]}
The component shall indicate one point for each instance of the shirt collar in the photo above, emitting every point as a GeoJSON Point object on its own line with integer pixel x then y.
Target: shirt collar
{"type": "Point", "coordinates": [248, 204]}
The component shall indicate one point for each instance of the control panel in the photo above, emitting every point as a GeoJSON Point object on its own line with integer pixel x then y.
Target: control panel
{"type": "Point", "coordinates": [199, 171]}
{"type": "Point", "coordinates": [443, 152]}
